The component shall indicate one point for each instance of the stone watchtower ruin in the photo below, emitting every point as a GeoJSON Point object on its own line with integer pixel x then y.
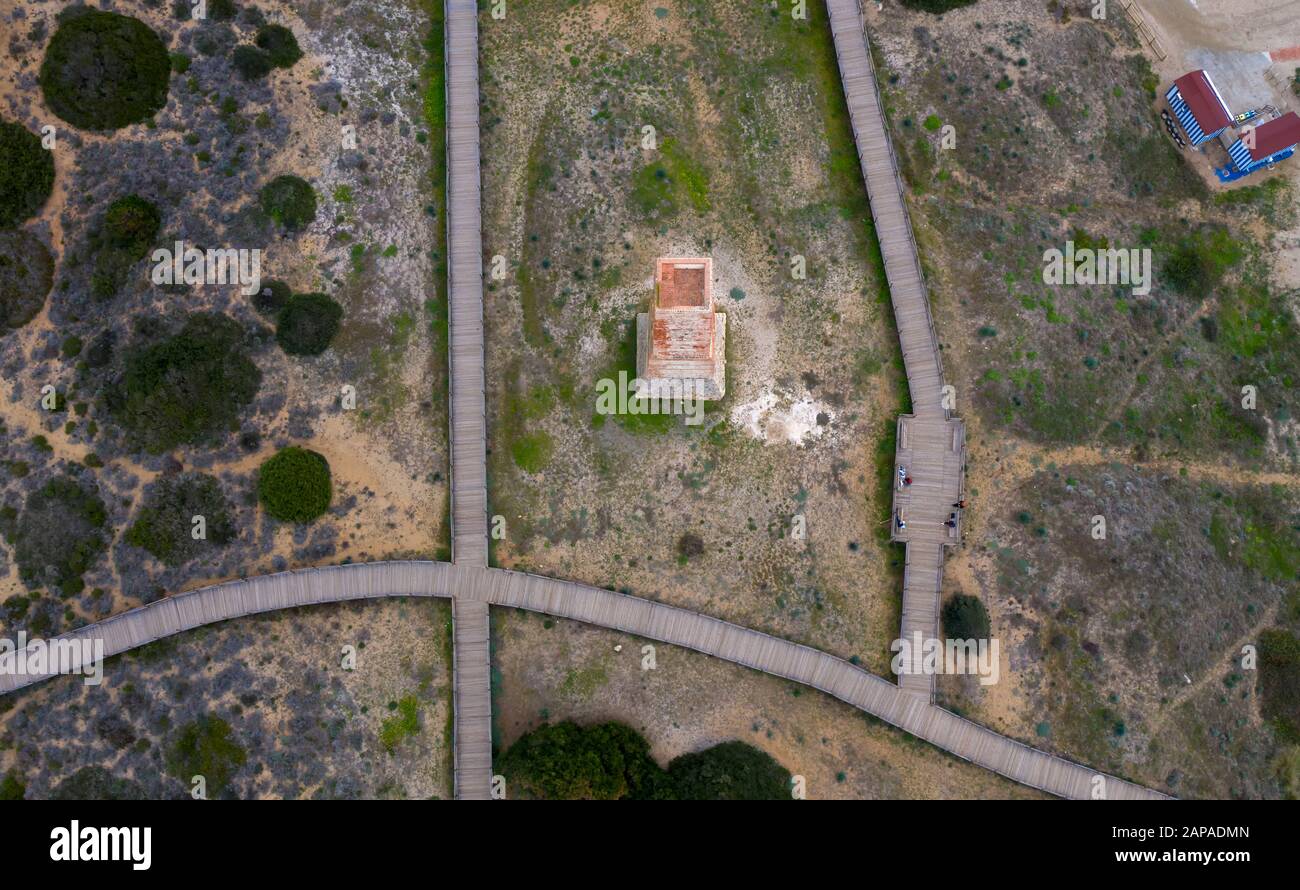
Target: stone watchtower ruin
{"type": "Point", "coordinates": [681, 341]}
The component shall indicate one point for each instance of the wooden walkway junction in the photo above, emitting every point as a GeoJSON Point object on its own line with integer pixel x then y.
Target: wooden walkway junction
{"type": "Point", "coordinates": [931, 442]}
{"type": "Point", "coordinates": [472, 700]}
{"type": "Point", "coordinates": [931, 446]}
{"type": "Point", "coordinates": [476, 587]}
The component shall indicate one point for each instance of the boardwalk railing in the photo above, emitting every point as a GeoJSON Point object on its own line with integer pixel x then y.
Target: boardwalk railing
{"type": "Point", "coordinates": [568, 599]}
{"type": "Point", "coordinates": [894, 169]}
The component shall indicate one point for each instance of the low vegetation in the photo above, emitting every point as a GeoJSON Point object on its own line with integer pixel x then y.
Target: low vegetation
{"type": "Point", "coordinates": [26, 275]}
{"type": "Point", "coordinates": [26, 176]}
{"type": "Point", "coordinates": [128, 231]}
{"type": "Point", "coordinates": [59, 535]}
{"type": "Point", "coordinates": [1279, 680]}
{"type": "Point", "coordinates": [166, 525]}
{"type": "Point", "coordinates": [204, 748]}
{"type": "Point", "coordinates": [183, 388]}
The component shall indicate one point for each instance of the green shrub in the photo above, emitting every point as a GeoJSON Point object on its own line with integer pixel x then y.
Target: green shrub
{"type": "Point", "coordinates": [97, 783]}
{"type": "Point", "coordinates": [184, 388]}
{"type": "Point", "coordinates": [565, 761]}
{"type": "Point", "coordinates": [26, 275]}
{"type": "Point", "coordinates": [965, 618]}
{"type": "Point", "coordinates": [222, 10]}
{"type": "Point", "coordinates": [103, 71]}
{"type": "Point", "coordinates": [729, 771]}
{"type": "Point", "coordinates": [280, 45]}
{"type": "Point", "coordinates": [294, 485]}
{"type": "Point", "coordinates": [204, 748]}
{"type": "Point", "coordinates": [12, 788]}
{"type": "Point", "coordinates": [165, 523]}
{"type": "Point", "coordinates": [251, 62]}
{"type": "Point", "coordinates": [290, 201]}
{"type": "Point", "coordinates": [180, 63]}
{"type": "Point", "coordinates": [58, 536]}
{"type": "Point", "coordinates": [938, 7]}
{"type": "Point", "coordinates": [271, 298]}
{"type": "Point", "coordinates": [610, 761]}
{"type": "Point", "coordinates": [308, 324]}
{"type": "Point", "coordinates": [26, 176]}
{"type": "Point", "coordinates": [131, 224]}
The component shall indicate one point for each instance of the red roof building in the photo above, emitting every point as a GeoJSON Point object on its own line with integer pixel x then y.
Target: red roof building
{"type": "Point", "coordinates": [1277, 135]}
{"type": "Point", "coordinates": [1198, 106]}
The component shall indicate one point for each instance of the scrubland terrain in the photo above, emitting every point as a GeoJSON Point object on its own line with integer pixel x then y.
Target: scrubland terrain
{"type": "Point", "coordinates": [169, 399]}
{"type": "Point", "coordinates": [1124, 653]}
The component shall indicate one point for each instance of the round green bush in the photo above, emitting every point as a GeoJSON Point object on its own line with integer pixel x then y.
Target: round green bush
{"type": "Point", "coordinates": [290, 201]}
{"type": "Point", "coordinates": [307, 324]}
{"type": "Point", "coordinates": [103, 71]}
{"type": "Point", "coordinates": [26, 275]}
{"type": "Point", "coordinates": [965, 618]}
{"type": "Point", "coordinates": [222, 10]}
{"type": "Point", "coordinates": [132, 224]}
{"type": "Point", "coordinates": [251, 62]}
{"type": "Point", "coordinates": [271, 298]}
{"type": "Point", "coordinates": [280, 45]}
{"type": "Point", "coordinates": [294, 485]}
{"type": "Point", "coordinates": [26, 176]}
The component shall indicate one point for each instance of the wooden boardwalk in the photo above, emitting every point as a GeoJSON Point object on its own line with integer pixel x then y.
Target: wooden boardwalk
{"type": "Point", "coordinates": [931, 442]}
{"type": "Point", "coordinates": [465, 286]}
{"type": "Point", "coordinates": [567, 599]}
{"type": "Point", "coordinates": [472, 700]}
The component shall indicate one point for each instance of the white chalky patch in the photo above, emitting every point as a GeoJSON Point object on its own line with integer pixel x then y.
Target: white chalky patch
{"type": "Point", "coordinates": [776, 417]}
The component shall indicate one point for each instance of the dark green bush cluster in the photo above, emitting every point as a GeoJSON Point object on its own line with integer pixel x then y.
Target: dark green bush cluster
{"type": "Point", "coordinates": [222, 10]}
{"type": "Point", "coordinates": [280, 45]}
{"type": "Point", "coordinates": [103, 71]}
{"type": "Point", "coordinates": [965, 618]}
{"type": "Point", "coordinates": [251, 62]}
{"type": "Point", "coordinates": [129, 229]}
{"type": "Point", "coordinates": [26, 275]}
{"type": "Point", "coordinates": [937, 7]}
{"type": "Point", "coordinates": [611, 761]}
{"type": "Point", "coordinates": [97, 783]}
{"type": "Point", "coordinates": [294, 485]}
{"type": "Point", "coordinates": [273, 296]}
{"type": "Point", "coordinates": [308, 324]}
{"type": "Point", "coordinates": [165, 524]}
{"type": "Point", "coordinates": [204, 748]}
{"type": "Point", "coordinates": [276, 47]}
{"type": "Point", "coordinates": [183, 388]}
{"type": "Point", "coordinates": [290, 201]}
{"type": "Point", "coordinates": [58, 536]}
{"type": "Point", "coordinates": [26, 176]}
